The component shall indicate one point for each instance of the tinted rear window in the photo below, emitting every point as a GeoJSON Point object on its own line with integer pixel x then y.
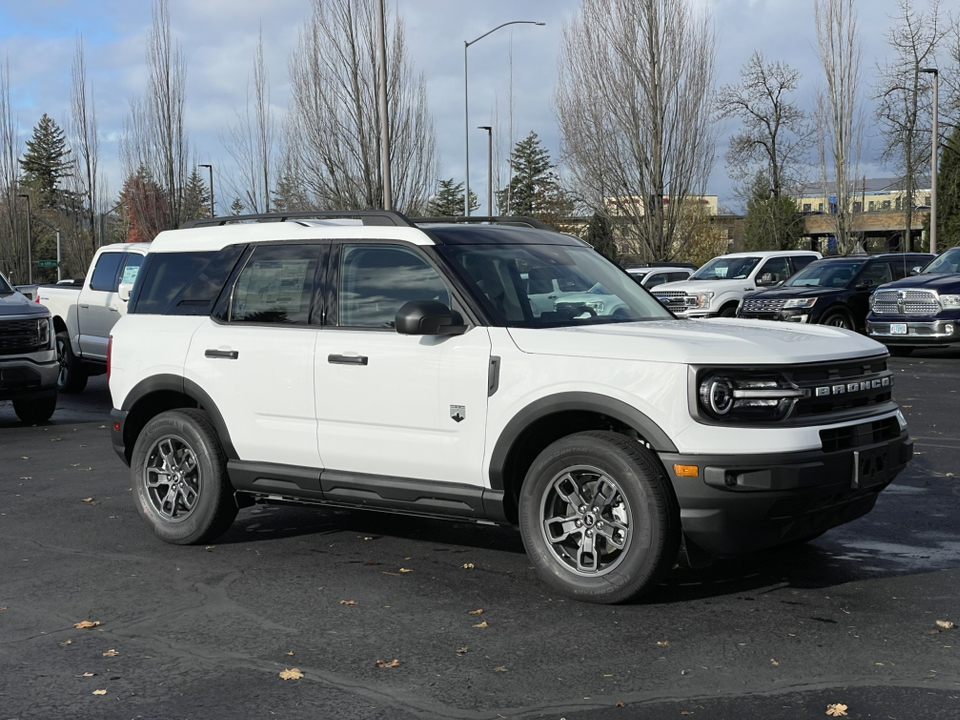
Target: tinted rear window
{"type": "Point", "coordinates": [164, 276]}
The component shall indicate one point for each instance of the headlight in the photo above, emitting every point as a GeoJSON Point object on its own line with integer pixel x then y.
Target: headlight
{"type": "Point", "coordinates": [597, 305]}
{"type": "Point", "coordinates": [730, 397]}
{"type": "Point", "coordinates": [43, 332]}
{"type": "Point", "coordinates": [950, 302]}
{"type": "Point", "coordinates": [699, 300]}
{"type": "Point", "coordinates": [800, 303]}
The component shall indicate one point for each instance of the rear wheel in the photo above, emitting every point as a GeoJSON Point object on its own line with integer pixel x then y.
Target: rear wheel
{"type": "Point", "coordinates": [839, 319]}
{"type": "Point", "coordinates": [32, 410]}
{"type": "Point", "coordinates": [180, 478]}
{"type": "Point", "coordinates": [598, 518]}
{"type": "Point", "coordinates": [73, 375]}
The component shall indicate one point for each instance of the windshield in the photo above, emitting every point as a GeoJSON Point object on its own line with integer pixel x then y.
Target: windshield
{"type": "Point", "coordinates": [5, 288]}
{"type": "Point", "coordinates": [546, 285]}
{"type": "Point", "coordinates": [946, 264]}
{"type": "Point", "coordinates": [726, 268]}
{"type": "Point", "coordinates": [828, 274]}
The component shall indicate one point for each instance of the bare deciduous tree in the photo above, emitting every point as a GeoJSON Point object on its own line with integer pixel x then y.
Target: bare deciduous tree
{"type": "Point", "coordinates": [334, 116]}
{"type": "Point", "coordinates": [904, 96]}
{"type": "Point", "coordinates": [155, 138]}
{"type": "Point", "coordinates": [774, 131]}
{"type": "Point", "coordinates": [85, 146]}
{"type": "Point", "coordinates": [252, 141]}
{"type": "Point", "coordinates": [634, 102]}
{"type": "Point", "coordinates": [13, 251]}
{"type": "Point", "coordinates": [839, 109]}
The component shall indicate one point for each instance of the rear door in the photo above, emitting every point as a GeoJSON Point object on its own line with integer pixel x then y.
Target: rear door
{"type": "Point", "coordinates": [98, 305]}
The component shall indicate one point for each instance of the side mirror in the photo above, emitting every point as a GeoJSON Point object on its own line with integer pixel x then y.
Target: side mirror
{"type": "Point", "coordinates": [916, 270]}
{"type": "Point", "coordinates": [124, 291]}
{"type": "Point", "coordinates": [428, 317]}
{"type": "Point", "coordinates": [766, 280]}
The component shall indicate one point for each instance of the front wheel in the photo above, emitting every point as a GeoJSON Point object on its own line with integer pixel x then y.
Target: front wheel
{"type": "Point", "coordinates": [728, 311]}
{"type": "Point", "coordinates": [180, 478]}
{"type": "Point", "coordinates": [73, 375]}
{"type": "Point", "coordinates": [598, 518]}
{"type": "Point", "coordinates": [32, 410]}
{"type": "Point", "coordinates": [838, 319]}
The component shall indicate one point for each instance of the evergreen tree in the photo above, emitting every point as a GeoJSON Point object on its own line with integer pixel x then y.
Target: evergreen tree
{"type": "Point", "coordinates": [449, 200]}
{"type": "Point", "coordinates": [772, 222]}
{"type": "Point", "coordinates": [533, 189]}
{"type": "Point", "coordinates": [46, 161]}
{"type": "Point", "coordinates": [288, 195]}
{"type": "Point", "coordinates": [948, 194]}
{"type": "Point", "coordinates": [196, 198]}
{"type": "Point", "coordinates": [237, 207]}
{"type": "Point", "coordinates": [600, 237]}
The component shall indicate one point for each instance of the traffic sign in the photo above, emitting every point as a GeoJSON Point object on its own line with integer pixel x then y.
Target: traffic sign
{"type": "Point", "coordinates": [47, 263]}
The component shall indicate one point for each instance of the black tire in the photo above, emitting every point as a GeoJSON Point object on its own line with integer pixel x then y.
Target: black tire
{"type": "Point", "coordinates": [73, 375]}
{"type": "Point", "coordinates": [33, 410]}
{"type": "Point", "coordinates": [728, 311]}
{"type": "Point", "coordinates": [631, 506]}
{"type": "Point", "coordinates": [838, 319]}
{"type": "Point", "coordinates": [180, 479]}
{"type": "Point", "coordinates": [899, 350]}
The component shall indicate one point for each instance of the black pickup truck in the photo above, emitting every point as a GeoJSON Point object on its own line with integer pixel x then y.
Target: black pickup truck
{"type": "Point", "coordinates": [832, 291]}
{"type": "Point", "coordinates": [922, 310]}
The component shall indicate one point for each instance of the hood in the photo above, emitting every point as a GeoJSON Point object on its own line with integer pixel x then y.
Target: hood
{"type": "Point", "coordinates": [933, 281]}
{"type": "Point", "coordinates": [783, 293]}
{"type": "Point", "coordinates": [694, 286]}
{"type": "Point", "coordinates": [699, 342]}
{"type": "Point", "coordinates": [17, 304]}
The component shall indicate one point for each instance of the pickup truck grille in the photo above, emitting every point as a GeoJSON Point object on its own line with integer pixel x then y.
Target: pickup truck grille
{"type": "Point", "coordinates": [675, 300]}
{"type": "Point", "coordinates": [905, 302]}
{"type": "Point", "coordinates": [756, 305]}
{"type": "Point", "coordinates": [21, 336]}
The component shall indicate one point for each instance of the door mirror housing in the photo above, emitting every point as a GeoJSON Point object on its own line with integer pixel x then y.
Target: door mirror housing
{"type": "Point", "coordinates": [428, 317]}
{"type": "Point", "coordinates": [124, 290]}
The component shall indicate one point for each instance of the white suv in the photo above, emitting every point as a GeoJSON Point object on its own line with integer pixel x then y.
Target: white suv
{"type": "Point", "coordinates": [717, 288]}
{"type": "Point", "coordinates": [399, 367]}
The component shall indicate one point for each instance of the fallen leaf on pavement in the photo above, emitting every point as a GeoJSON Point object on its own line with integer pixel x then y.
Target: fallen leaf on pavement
{"type": "Point", "coordinates": [837, 710]}
{"type": "Point", "coordinates": [467, 566]}
{"type": "Point", "coordinates": [384, 664]}
{"type": "Point", "coordinates": [88, 674]}
{"type": "Point", "coordinates": [348, 602]}
{"type": "Point", "coordinates": [111, 653]}
{"type": "Point", "coordinates": [476, 612]}
{"type": "Point", "coordinates": [945, 624]}
{"type": "Point", "coordinates": [502, 668]}
{"type": "Point", "coordinates": [290, 653]}
{"type": "Point", "coordinates": [482, 625]}
{"type": "Point", "coordinates": [405, 570]}
{"type": "Point", "coordinates": [67, 642]}
{"type": "Point", "coordinates": [293, 674]}
{"type": "Point", "coordinates": [774, 662]}
{"type": "Point", "coordinates": [88, 499]}
{"type": "Point", "coordinates": [86, 624]}
{"type": "Point", "coordinates": [663, 643]}
{"type": "Point", "coordinates": [461, 651]}
{"type": "Point", "coordinates": [99, 692]}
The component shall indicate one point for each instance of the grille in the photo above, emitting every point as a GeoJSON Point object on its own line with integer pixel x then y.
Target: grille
{"type": "Point", "coordinates": [853, 436]}
{"type": "Point", "coordinates": [673, 299]}
{"type": "Point", "coordinates": [756, 305]}
{"type": "Point", "coordinates": [19, 336]}
{"type": "Point", "coordinates": [836, 388]}
{"type": "Point", "coordinates": [905, 302]}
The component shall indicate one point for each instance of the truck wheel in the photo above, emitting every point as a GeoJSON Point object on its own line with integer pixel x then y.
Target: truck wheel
{"type": "Point", "coordinates": [180, 478]}
{"type": "Point", "coordinates": [598, 518]}
{"type": "Point", "coordinates": [728, 310]}
{"type": "Point", "coordinates": [838, 319]}
{"type": "Point", "coordinates": [33, 410]}
{"type": "Point", "coordinates": [73, 375]}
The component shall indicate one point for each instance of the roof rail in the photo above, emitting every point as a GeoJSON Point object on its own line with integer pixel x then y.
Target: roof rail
{"type": "Point", "coordinates": [386, 218]}
{"type": "Point", "coordinates": [518, 220]}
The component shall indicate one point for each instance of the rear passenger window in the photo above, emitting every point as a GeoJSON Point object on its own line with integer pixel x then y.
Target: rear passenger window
{"type": "Point", "coordinates": [276, 286]}
{"type": "Point", "coordinates": [107, 272]}
{"type": "Point", "coordinates": [801, 261]}
{"type": "Point", "coordinates": [163, 277]}
{"type": "Point", "coordinates": [377, 280]}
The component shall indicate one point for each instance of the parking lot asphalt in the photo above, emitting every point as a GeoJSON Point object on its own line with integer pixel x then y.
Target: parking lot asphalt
{"type": "Point", "coordinates": [378, 614]}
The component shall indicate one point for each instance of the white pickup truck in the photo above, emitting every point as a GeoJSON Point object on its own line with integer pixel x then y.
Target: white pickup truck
{"type": "Point", "coordinates": [84, 315]}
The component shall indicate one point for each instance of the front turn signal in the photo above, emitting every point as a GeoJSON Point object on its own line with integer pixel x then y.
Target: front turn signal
{"type": "Point", "coordinates": [686, 471]}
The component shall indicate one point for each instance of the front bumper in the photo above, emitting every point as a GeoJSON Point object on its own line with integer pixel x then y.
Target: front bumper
{"type": "Point", "coordinates": [740, 504]}
{"type": "Point", "coordinates": [918, 333]}
{"type": "Point", "coordinates": [26, 378]}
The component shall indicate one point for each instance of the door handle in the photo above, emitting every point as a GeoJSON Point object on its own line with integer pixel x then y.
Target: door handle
{"type": "Point", "coordinates": [84, 305]}
{"type": "Point", "coordinates": [226, 354]}
{"type": "Point", "coordinates": [347, 359]}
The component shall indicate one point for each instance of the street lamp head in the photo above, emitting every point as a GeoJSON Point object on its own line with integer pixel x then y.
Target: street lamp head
{"type": "Point", "coordinates": [484, 127]}
{"type": "Point", "coordinates": [541, 24]}
{"type": "Point", "coordinates": [932, 71]}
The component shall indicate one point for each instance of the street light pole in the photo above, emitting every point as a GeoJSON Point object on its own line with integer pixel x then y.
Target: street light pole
{"type": "Point", "coordinates": [384, 110]}
{"type": "Point", "coordinates": [29, 242]}
{"type": "Point", "coordinates": [489, 168]}
{"type": "Point", "coordinates": [466, 107]}
{"type": "Point", "coordinates": [933, 159]}
{"type": "Point", "coordinates": [210, 167]}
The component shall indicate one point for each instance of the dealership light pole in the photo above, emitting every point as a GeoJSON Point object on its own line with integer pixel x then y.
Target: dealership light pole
{"type": "Point", "coordinates": [466, 107]}
{"type": "Point", "coordinates": [933, 161]}
{"type": "Point", "coordinates": [489, 168]}
{"type": "Point", "coordinates": [29, 242]}
{"type": "Point", "coordinates": [210, 167]}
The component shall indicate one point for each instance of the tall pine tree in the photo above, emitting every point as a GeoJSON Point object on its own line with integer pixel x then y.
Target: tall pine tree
{"type": "Point", "coordinates": [196, 198]}
{"type": "Point", "coordinates": [46, 161]}
{"type": "Point", "coordinates": [534, 189]}
{"type": "Point", "coordinates": [948, 194]}
{"type": "Point", "coordinates": [449, 200]}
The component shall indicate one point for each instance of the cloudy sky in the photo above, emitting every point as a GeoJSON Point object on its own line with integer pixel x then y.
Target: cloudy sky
{"type": "Point", "coordinates": [219, 37]}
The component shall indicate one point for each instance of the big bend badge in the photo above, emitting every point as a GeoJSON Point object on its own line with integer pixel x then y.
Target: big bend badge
{"type": "Point", "coordinates": [458, 413]}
